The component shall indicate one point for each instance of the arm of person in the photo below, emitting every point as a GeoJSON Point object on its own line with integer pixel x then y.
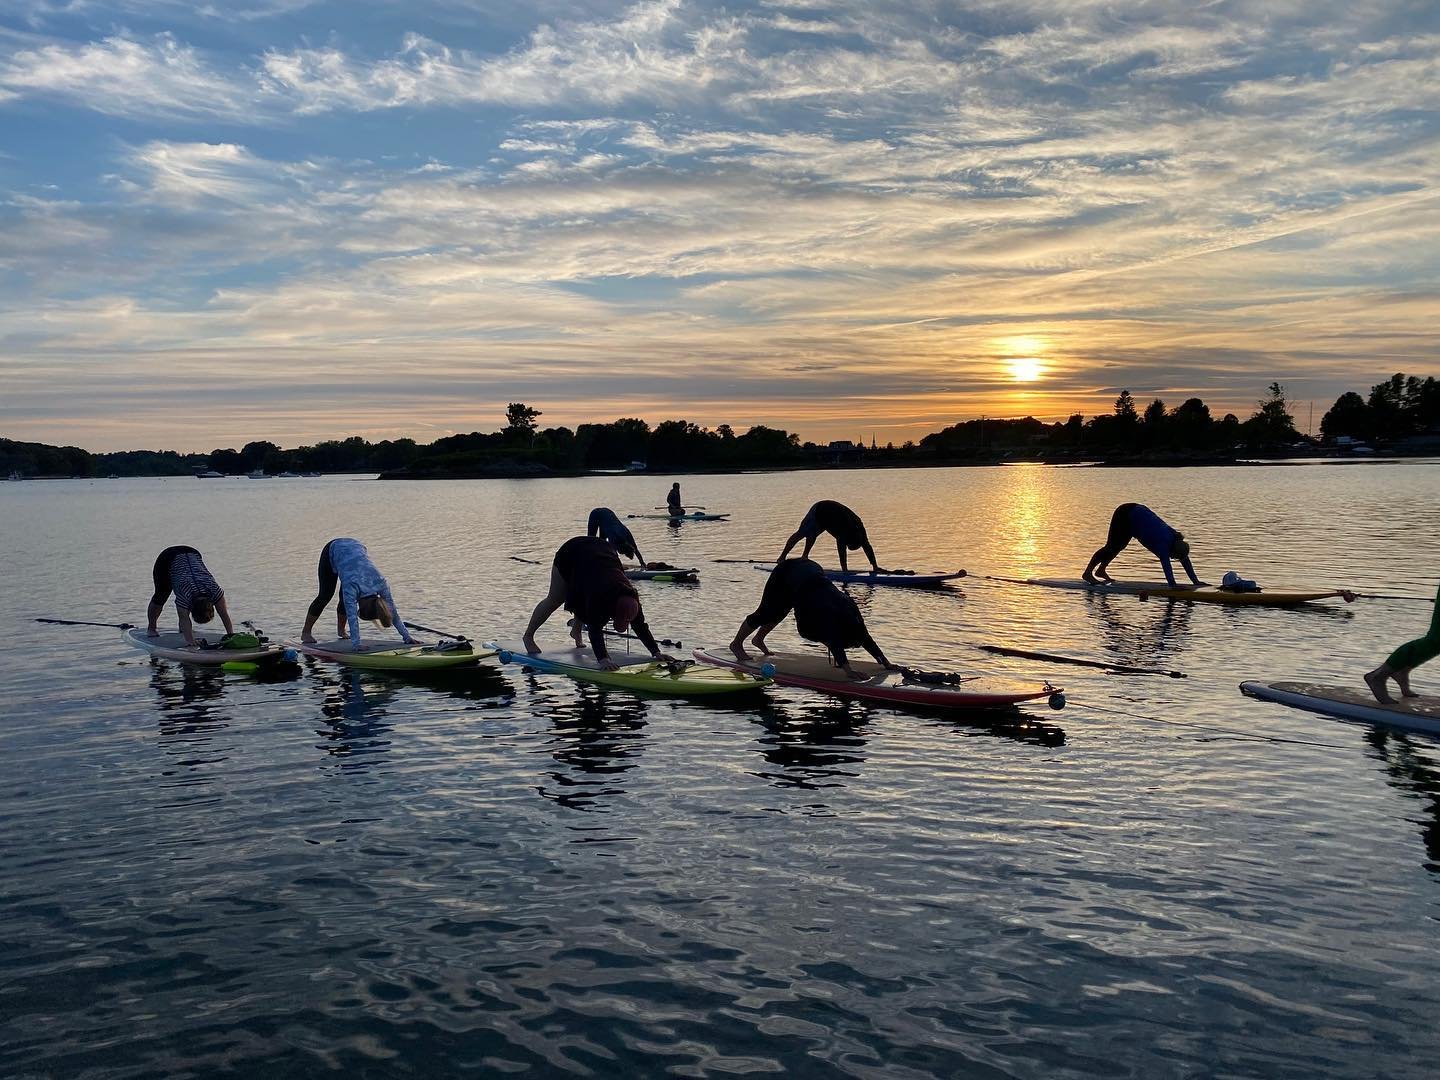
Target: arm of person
{"type": "Point", "coordinates": [874, 650]}
{"type": "Point", "coordinates": [844, 562]}
{"type": "Point", "coordinates": [186, 627]}
{"type": "Point", "coordinates": [400, 627]}
{"type": "Point", "coordinates": [870, 554]}
{"type": "Point", "coordinates": [597, 646]}
{"type": "Point", "coordinates": [1185, 562]}
{"type": "Point", "coordinates": [350, 595]}
{"type": "Point", "coordinates": [1169, 571]}
{"type": "Point", "coordinates": [224, 612]}
{"type": "Point", "coordinates": [641, 630]}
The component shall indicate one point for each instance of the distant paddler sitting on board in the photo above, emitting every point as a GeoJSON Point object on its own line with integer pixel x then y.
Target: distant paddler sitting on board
{"type": "Point", "coordinates": [673, 501]}
{"type": "Point", "coordinates": [586, 577]}
{"type": "Point", "coordinates": [198, 595]}
{"type": "Point", "coordinates": [1406, 659]}
{"type": "Point", "coordinates": [364, 593]}
{"type": "Point", "coordinates": [1132, 521]}
{"type": "Point", "coordinates": [604, 522]}
{"type": "Point", "coordinates": [822, 613]}
{"type": "Point", "coordinates": [840, 522]}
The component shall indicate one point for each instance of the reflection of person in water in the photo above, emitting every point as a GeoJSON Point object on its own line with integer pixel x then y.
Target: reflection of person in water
{"type": "Point", "coordinates": [595, 743]}
{"type": "Point", "coordinates": [356, 710]}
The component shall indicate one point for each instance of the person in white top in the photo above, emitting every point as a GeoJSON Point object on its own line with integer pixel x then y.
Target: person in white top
{"type": "Point", "coordinates": [364, 593]}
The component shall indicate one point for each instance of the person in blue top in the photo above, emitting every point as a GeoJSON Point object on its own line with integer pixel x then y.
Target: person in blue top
{"type": "Point", "coordinates": [1132, 521]}
{"type": "Point", "coordinates": [605, 522]}
{"type": "Point", "coordinates": [364, 593]}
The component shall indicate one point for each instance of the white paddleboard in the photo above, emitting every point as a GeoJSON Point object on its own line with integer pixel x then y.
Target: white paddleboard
{"type": "Point", "coordinates": [1351, 703]}
{"type": "Point", "coordinates": [171, 645]}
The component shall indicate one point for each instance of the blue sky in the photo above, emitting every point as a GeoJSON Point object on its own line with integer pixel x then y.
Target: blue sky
{"type": "Point", "coordinates": [295, 221]}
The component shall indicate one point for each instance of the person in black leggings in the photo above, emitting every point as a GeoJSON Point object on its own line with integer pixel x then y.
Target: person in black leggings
{"type": "Point", "coordinates": [840, 522]}
{"type": "Point", "coordinates": [198, 595]}
{"type": "Point", "coordinates": [1132, 521]}
{"type": "Point", "coordinates": [588, 579]}
{"type": "Point", "coordinates": [605, 522]}
{"type": "Point", "coordinates": [822, 613]}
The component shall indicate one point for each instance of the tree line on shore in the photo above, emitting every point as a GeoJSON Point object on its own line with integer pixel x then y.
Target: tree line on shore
{"type": "Point", "coordinates": [1400, 407]}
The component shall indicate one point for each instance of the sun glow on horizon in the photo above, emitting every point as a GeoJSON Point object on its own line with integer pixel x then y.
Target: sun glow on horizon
{"type": "Point", "coordinates": [1025, 353]}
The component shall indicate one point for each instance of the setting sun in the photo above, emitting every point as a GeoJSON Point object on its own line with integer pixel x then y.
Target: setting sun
{"type": "Point", "coordinates": [1025, 369]}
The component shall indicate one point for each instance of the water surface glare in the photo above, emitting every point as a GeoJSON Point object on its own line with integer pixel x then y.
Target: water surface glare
{"type": "Point", "coordinates": [498, 873]}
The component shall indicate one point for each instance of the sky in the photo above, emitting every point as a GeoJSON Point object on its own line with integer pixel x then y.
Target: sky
{"type": "Point", "coordinates": [295, 220]}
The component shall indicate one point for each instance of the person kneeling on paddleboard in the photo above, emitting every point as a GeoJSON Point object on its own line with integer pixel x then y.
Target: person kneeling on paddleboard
{"type": "Point", "coordinates": [364, 593]}
{"type": "Point", "coordinates": [840, 522]}
{"type": "Point", "coordinates": [604, 522]}
{"type": "Point", "coordinates": [822, 613]}
{"type": "Point", "coordinates": [1132, 521]}
{"type": "Point", "coordinates": [587, 578]}
{"type": "Point", "coordinates": [677, 508]}
{"type": "Point", "coordinates": [198, 595]}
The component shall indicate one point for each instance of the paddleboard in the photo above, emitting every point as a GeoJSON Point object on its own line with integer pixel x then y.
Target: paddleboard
{"type": "Point", "coordinates": [698, 515]}
{"type": "Point", "coordinates": [685, 679]}
{"type": "Point", "coordinates": [1351, 703]}
{"type": "Point", "coordinates": [170, 645]}
{"type": "Point", "coordinates": [908, 579]}
{"type": "Point", "coordinates": [673, 573]}
{"type": "Point", "coordinates": [1204, 594]}
{"type": "Point", "coordinates": [814, 671]}
{"type": "Point", "coordinates": [386, 654]}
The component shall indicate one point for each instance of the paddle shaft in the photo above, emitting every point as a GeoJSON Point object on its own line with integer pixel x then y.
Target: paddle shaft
{"type": "Point", "coordinates": [82, 622]}
{"type": "Point", "coordinates": [1055, 658]}
{"type": "Point", "coordinates": [432, 630]}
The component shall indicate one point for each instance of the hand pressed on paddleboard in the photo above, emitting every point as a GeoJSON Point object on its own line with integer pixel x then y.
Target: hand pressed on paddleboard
{"type": "Point", "coordinates": [822, 613]}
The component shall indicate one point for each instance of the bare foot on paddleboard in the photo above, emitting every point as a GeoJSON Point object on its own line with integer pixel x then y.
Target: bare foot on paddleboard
{"type": "Point", "coordinates": [1402, 680]}
{"type": "Point", "coordinates": [1376, 681]}
{"type": "Point", "coordinates": [738, 648]}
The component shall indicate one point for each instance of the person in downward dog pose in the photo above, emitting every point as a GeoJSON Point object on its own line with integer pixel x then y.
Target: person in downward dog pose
{"type": "Point", "coordinates": [198, 596]}
{"type": "Point", "coordinates": [587, 578]}
{"type": "Point", "coordinates": [840, 522]}
{"type": "Point", "coordinates": [1132, 521]}
{"type": "Point", "coordinates": [605, 522]}
{"type": "Point", "coordinates": [364, 593]}
{"type": "Point", "coordinates": [822, 613]}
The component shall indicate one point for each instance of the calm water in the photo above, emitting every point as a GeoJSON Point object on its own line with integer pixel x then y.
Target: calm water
{"type": "Point", "coordinates": [509, 875]}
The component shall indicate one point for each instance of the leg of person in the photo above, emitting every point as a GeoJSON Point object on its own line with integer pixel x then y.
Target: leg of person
{"type": "Point", "coordinates": [1116, 540]}
{"type": "Point", "coordinates": [328, 582]}
{"type": "Point", "coordinates": [737, 643]}
{"type": "Point", "coordinates": [1405, 659]}
{"type": "Point", "coordinates": [161, 593]}
{"type": "Point", "coordinates": [342, 628]}
{"type": "Point", "coordinates": [543, 610]}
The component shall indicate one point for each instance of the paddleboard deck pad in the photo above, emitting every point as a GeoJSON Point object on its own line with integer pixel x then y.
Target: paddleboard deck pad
{"type": "Point", "coordinates": [685, 679]}
{"type": "Point", "coordinates": [1351, 703]}
{"type": "Point", "coordinates": [171, 645]}
{"type": "Point", "coordinates": [696, 516]}
{"type": "Point", "coordinates": [1205, 594]}
{"type": "Point", "coordinates": [669, 573]}
{"type": "Point", "coordinates": [907, 578]}
{"type": "Point", "coordinates": [813, 671]}
{"type": "Point", "coordinates": [386, 654]}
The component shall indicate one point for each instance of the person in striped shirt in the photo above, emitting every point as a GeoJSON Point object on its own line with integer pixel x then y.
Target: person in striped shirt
{"type": "Point", "coordinates": [364, 593]}
{"type": "Point", "coordinates": [198, 595]}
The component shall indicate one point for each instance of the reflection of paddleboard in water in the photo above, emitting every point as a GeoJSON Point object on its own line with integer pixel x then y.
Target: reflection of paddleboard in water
{"type": "Point", "coordinates": [815, 672]}
{"type": "Point", "coordinates": [170, 645]}
{"type": "Point", "coordinates": [889, 577]}
{"type": "Point", "coordinates": [1203, 594]}
{"type": "Point", "coordinates": [1413, 714]}
{"type": "Point", "coordinates": [388, 655]}
{"type": "Point", "coordinates": [682, 679]}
